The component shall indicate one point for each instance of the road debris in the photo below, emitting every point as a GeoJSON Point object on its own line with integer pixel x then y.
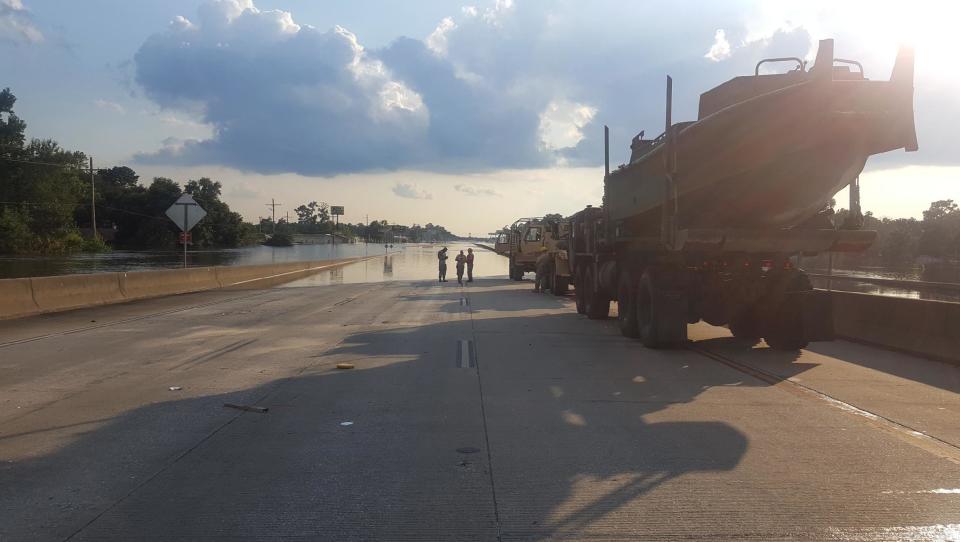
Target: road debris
{"type": "Point", "coordinates": [344, 366]}
{"type": "Point", "coordinates": [247, 408]}
{"type": "Point", "coordinates": [345, 424]}
{"type": "Point", "coordinates": [175, 388]}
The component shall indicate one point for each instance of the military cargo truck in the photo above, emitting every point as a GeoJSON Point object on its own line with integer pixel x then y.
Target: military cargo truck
{"type": "Point", "coordinates": [523, 242]}
{"type": "Point", "coordinates": [706, 219]}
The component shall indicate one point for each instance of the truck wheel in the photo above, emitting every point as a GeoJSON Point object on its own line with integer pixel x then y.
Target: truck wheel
{"type": "Point", "coordinates": [516, 272]}
{"type": "Point", "coordinates": [787, 331]}
{"type": "Point", "coordinates": [560, 285]}
{"type": "Point", "coordinates": [597, 306]}
{"type": "Point", "coordinates": [579, 291]}
{"type": "Point", "coordinates": [627, 306]}
{"type": "Point", "coordinates": [745, 326]}
{"type": "Point", "coordinates": [661, 313]}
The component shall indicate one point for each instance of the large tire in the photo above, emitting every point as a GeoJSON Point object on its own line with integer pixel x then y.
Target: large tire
{"type": "Point", "coordinates": [559, 285]}
{"type": "Point", "coordinates": [627, 305]}
{"type": "Point", "coordinates": [597, 306]}
{"type": "Point", "coordinates": [580, 291]}
{"type": "Point", "coordinates": [786, 331]}
{"type": "Point", "coordinates": [746, 326]}
{"type": "Point", "coordinates": [516, 272]}
{"type": "Point", "coordinates": [661, 318]}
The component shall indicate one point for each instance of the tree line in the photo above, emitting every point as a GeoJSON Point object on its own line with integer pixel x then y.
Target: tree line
{"type": "Point", "coordinates": [45, 205]}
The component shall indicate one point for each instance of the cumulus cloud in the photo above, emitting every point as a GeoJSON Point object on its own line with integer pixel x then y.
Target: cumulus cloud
{"type": "Point", "coordinates": [476, 191]}
{"type": "Point", "coordinates": [562, 123]}
{"type": "Point", "coordinates": [411, 191]}
{"type": "Point", "coordinates": [280, 96]}
{"type": "Point", "coordinates": [495, 85]}
{"type": "Point", "coordinates": [720, 50]}
{"type": "Point", "coordinates": [437, 40]}
{"type": "Point", "coordinates": [16, 24]}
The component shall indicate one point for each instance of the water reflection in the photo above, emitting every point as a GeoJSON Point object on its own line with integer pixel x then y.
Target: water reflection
{"type": "Point", "coordinates": [880, 289]}
{"type": "Point", "coordinates": [414, 262]}
{"type": "Point", "coordinates": [37, 266]}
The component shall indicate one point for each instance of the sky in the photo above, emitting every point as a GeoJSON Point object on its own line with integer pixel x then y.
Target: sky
{"type": "Point", "coordinates": [468, 114]}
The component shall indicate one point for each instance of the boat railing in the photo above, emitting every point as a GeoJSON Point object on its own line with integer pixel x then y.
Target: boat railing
{"type": "Point", "coordinates": [801, 65]}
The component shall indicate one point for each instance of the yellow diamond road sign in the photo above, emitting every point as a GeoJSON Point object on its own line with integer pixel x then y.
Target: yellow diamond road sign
{"type": "Point", "coordinates": [186, 212]}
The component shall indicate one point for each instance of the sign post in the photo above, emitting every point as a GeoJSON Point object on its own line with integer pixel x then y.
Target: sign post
{"type": "Point", "coordinates": [336, 211]}
{"type": "Point", "coordinates": [188, 218]}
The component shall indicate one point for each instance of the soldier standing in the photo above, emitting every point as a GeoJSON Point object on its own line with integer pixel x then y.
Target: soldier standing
{"type": "Point", "coordinates": [442, 257]}
{"type": "Point", "coordinates": [469, 265]}
{"type": "Point", "coordinates": [461, 261]}
{"type": "Point", "coordinates": [544, 267]}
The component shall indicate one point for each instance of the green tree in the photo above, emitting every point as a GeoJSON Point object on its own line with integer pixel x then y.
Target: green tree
{"type": "Point", "coordinates": [221, 227]}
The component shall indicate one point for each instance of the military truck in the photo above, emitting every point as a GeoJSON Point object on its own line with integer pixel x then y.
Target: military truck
{"type": "Point", "coordinates": [523, 242]}
{"type": "Point", "coordinates": [706, 219]}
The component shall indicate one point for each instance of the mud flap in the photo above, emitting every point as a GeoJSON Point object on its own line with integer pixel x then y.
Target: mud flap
{"type": "Point", "coordinates": [816, 313]}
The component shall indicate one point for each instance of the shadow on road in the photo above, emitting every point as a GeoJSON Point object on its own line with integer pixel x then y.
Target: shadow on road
{"type": "Point", "coordinates": [567, 452]}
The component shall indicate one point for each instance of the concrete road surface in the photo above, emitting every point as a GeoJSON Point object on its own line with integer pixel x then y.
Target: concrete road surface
{"type": "Point", "coordinates": [484, 412]}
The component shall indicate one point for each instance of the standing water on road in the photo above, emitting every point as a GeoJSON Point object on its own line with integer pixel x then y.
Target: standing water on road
{"type": "Point", "coordinates": [40, 266]}
{"type": "Point", "coordinates": [414, 262]}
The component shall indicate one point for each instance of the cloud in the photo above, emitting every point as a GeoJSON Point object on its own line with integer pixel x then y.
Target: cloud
{"type": "Point", "coordinates": [562, 123]}
{"type": "Point", "coordinates": [720, 50]}
{"type": "Point", "coordinates": [112, 106]}
{"type": "Point", "coordinates": [476, 191]}
{"type": "Point", "coordinates": [16, 24]}
{"type": "Point", "coordinates": [411, 191]}
{"type": "Point", "coordinates": [495, 85]}
{"type": "Point", "coordinates": [437, 40]}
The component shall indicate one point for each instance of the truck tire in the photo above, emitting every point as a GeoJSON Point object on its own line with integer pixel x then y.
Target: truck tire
{"type": "Point", "coordinates": [786, 331]}
{"type": "Point", "coordinates": [597, 306]}
{"type": "Point", "coordinates": [661, 313]}
{"type": "Point", "coordinates": [627, 306]}
{"type": "Point", "coordinates": [580, 291]}
{"type": "Point", "coordinates": [516, 272]}
{"type": "Point", "coordinates": [559, 285]}
{"type": "Point", "coordinates": [746, 326]}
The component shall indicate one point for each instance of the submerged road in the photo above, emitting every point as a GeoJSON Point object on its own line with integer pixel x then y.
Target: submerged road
{"type": "Point", "coordinates": [483, 412]}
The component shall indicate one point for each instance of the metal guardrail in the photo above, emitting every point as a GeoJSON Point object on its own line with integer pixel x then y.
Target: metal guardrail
{"type": "Point", "coordinates": [903, 283]}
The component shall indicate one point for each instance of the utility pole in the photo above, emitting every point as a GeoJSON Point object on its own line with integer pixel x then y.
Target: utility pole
{"type": "Point", "coordinates": [273, 207]}
{"type": "Point", "coordinates": [93, 202]}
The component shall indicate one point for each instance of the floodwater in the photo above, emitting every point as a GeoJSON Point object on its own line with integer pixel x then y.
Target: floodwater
{"type": "Point", "coordinates": [414, 262]}
{"type": "Point", "coordinates": [39, 266]}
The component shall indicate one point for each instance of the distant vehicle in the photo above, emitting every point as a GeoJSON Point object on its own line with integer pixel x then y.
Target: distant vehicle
{"type": "Point", "coordinates": [522, 243]}
{"type": "Point", "coordinates": [704, 220]}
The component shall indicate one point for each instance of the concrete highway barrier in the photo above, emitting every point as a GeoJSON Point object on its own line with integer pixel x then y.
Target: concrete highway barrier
{"type": "Point", "coordinates": [16, 298]}
{"type": "Point", "coordinates": [29, 296]}
{"type": "Point", "coordinates": [141, 284]}
{"type": "Point", "coordinates": [74, 291]}
{"type": "Point", "coordinates": [917, 326]}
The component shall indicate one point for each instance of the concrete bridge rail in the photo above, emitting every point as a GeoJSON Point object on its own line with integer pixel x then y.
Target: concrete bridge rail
{"type": "Point", "coordinates": [29, 296]}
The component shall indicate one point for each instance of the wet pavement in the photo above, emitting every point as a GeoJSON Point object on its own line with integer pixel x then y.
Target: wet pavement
{"type": "Point", "coordinates": [125, 260]}
{"type": "Point", "coordinates": [412, 262]}
{"type": "Point", "coordinates": [483, 412]}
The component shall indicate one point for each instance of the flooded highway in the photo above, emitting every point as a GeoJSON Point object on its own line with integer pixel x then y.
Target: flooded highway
{"type": "Point", "coordinates": [375, 403]}
{"type": "Point", "coordinates": [412, 262]}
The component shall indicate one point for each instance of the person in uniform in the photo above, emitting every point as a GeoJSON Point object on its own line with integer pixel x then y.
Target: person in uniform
{"type": "Point", "coordinates": [469, 265]}
{"type": "Point", "coordinates": [544, 268]}
{"type": "Point", "coordinates": [442, 257]}
{"type": "Point", "coordinates": [461, 260]}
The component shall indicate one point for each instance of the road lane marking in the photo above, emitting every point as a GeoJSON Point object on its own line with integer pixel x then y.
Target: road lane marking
{"type": "Point", "coordinates": [465, 354]}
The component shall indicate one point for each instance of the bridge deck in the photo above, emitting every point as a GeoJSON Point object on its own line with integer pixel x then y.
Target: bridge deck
{"type": "Point", "coordinates": [472, 413]}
